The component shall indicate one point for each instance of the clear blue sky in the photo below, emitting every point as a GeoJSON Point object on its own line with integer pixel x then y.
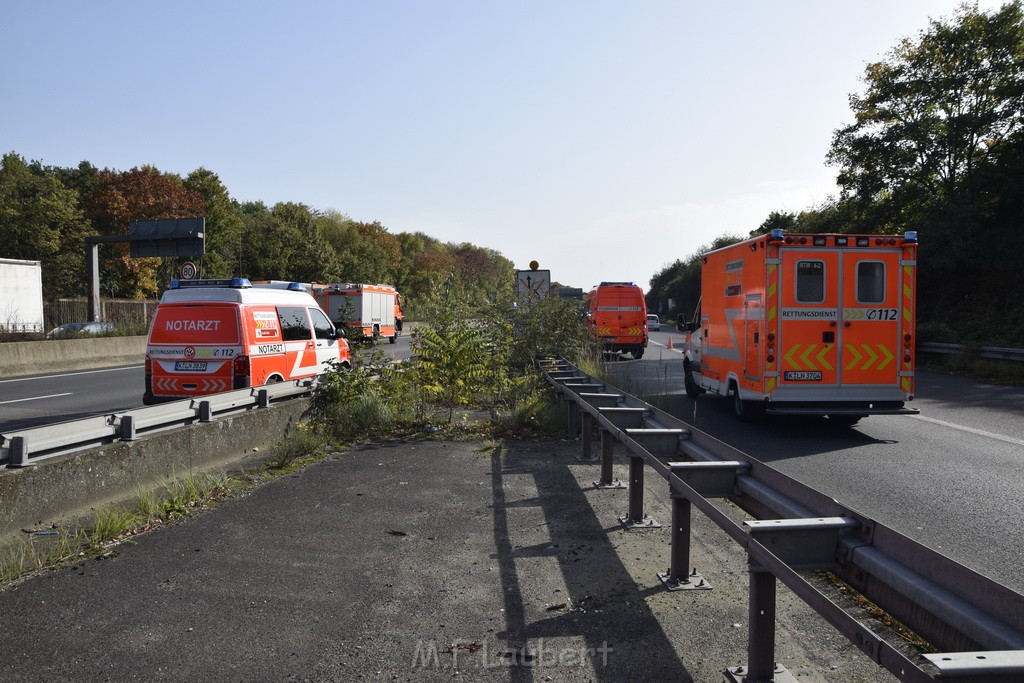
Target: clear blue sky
{"type": "Point", "coordinates": [603, 139]}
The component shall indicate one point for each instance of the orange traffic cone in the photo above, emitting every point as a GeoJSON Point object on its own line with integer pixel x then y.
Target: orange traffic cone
{"type": "Point", "coordinates": [670, 344]}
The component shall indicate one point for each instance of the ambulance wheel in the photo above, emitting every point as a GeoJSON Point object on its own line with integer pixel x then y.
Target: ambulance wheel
{"type": "Point", "coordinates": [692, 390]}
{"type": "Point", "coordinates": [638, 354]}
{"type": "Point", "coordinates": [393, 338]}
{"type": "Point", "coordinates": [744, 410]}
{"type": "Point", "coordinates": [844, 420]}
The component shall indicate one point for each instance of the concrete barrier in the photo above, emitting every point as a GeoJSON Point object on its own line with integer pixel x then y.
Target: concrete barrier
{"type": "Point", "coordinates": [62, 355]}
{"type": "Point", "coordinates": [67, 489]}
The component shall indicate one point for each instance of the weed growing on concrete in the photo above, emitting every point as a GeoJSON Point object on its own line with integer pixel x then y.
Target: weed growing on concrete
{"type": "Point", "coordinates": [301, 443]}
{"type": "Point", "coordinates": [50, 548]}
{"type": "Point", "coordinates": [112, 523]}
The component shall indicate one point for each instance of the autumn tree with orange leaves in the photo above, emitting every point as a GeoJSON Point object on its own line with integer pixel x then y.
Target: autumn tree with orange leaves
{"type": "Point", "coordinates": [120, 198]}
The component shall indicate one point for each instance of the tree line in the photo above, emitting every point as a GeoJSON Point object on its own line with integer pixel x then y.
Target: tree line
{"type": "Point", "coordinates": [936, 145]}
{"type": "Point", "coordinates": [46, 212]}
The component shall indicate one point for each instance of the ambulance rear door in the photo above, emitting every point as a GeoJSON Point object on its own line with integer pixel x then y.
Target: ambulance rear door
{"type": "Point", "coordinates": [809, 317]}
{"type": "Point", "coordinates": [871, 320]}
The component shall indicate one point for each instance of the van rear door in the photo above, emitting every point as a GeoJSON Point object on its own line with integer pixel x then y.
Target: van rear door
{"type": "Point", "coordinates": [191, 347]}
{"type": "Point", "coordinates": [809, 317]}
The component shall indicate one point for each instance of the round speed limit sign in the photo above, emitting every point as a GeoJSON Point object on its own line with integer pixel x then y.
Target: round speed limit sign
{"type": "Point", "coordinates": [188, 270]}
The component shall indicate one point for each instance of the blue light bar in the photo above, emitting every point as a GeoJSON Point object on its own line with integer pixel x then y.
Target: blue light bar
{"type": "Point", "coordinates": [234, 283]}
{"type": "Point", "coordinates": [296, 287]}
{"type": "Point", "coordinates": [777, 234]}
{"type": "Point", "coordinates": [910, 236]}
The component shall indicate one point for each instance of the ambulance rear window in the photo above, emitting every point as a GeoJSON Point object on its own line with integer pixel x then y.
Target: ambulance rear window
{"type": "Point", "coordinates": [810, 282]}
{"type": "Point", "coordinates": [870, 282]}
{"type": "Point", "coordinates": [294, 323]}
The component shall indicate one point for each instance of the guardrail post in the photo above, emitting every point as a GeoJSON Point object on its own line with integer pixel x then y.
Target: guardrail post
{"type": "Point", "coordinates": [636, 518]}
{"type": "Point", "coordinates": [127, 428]}
{"type": "Point", "coordinates": [761, 643]}
{"type": "Point", "coordinates": [607, 460]}
{"type": "Point", "coordinates": [205, 411]}
{"type": "Point", "coordinates": [18, 453]}
{"type": "Point", "coordinates": [263, 399]}
{"type": "Point", "coordinates": [678, 576]}
{"type": "Point", "coordinates": [588, 438]}
{"type": "Point", "coordinates": [573, 428]}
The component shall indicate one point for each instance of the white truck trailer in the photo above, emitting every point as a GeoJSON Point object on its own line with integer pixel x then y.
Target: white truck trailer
{"type": "Point", "coordinates": [21, 296]}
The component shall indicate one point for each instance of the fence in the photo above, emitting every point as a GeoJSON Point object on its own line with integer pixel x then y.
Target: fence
{"type": "Point", "coordinates": [118, 311]}
{"type": "Point", "coordinates": [976, 624]}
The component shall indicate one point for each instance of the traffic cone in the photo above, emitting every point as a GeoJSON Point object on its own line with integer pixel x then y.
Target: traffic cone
{"type": "Point", "coordinates": [670, 347]}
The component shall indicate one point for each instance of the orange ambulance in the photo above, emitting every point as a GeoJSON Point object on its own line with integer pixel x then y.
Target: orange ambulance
{"type": "Point", "coordinates": [806, 324]}
{"type": "Point", "coordinates": [616, 314]}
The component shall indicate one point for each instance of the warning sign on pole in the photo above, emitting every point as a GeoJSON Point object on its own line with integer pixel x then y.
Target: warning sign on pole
{"type": "Point", "coordinates": [533, 283]}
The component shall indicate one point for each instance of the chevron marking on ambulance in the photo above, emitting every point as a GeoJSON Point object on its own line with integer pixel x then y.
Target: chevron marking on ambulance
{"type": "Point", "coordinates": [789, 356]}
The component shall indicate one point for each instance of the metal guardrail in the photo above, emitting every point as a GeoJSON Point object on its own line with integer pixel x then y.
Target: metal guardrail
{"type": "Point", "coordinates": [38, 444]}
{"type": "Point", "coordinates": [976, 624]}
{"type": "Point", "coordinates": [995, 352]}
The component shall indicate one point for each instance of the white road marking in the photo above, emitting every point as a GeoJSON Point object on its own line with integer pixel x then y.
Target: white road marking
{"type": "Point", "coordinates": [35, 398]}
{"type": "Point", "coordinates": [67, 374]}
{"type": "Point", "coordinates": [972, 430]}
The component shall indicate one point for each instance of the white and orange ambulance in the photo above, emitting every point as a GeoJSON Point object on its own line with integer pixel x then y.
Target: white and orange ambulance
{"type": "Point", "coordinates": [209, 336]}
{"type": "Point", "coordinates": [616, 314]}
{"type": "Point", "coordinates": [806, 324]}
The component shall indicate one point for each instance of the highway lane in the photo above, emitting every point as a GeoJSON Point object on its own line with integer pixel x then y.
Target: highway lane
{"type": "Point", "coordinates": [950, 478]}
{"type": "Point", "coordinates": [46, 399]}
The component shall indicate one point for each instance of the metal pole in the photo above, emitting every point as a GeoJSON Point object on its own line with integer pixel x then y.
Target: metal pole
{"type": "Point", "coordinates": [678, 571]}
{"type": "Point", "coordinates": [607, 451]}
{"type": "Point", "coordinates": [761, 643]}
{"type": "Point", "coordinates": [636, 488]}
{"type": "Point", "coordinates": [92, 257]}
{"type": "Point", "coordinates": [588, 436]}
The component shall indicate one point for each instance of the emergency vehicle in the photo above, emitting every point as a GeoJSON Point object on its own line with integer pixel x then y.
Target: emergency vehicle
{"type": "Point", "coordinates": [209, 336]}
{"type": "Point", "coordinates": [369, 311]}
{"type": "Point", "coordinates": [806, 324]}
{"type": "Point", "coordinates": [616, 314]}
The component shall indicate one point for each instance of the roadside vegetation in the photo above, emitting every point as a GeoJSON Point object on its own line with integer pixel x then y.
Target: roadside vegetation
{"type": "Point", "coordinates": [473, 376]}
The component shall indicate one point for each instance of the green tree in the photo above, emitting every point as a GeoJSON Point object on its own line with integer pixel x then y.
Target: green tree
{"type": "Point", "coordinates": [40, 220]}
{"type": "Point", "coordinates": [285, 243]}
{"type": "Point", "coordinates": [223, 225]}
{"type": "Point", "coordinates": [938, 109]}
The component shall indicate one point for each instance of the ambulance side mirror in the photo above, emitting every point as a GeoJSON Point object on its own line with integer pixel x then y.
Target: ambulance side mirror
{"type": "Point", "coordinates": [681, 322]}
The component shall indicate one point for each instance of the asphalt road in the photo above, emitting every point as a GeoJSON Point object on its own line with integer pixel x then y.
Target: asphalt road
{"type": "Point", "coordinates": [949, 478]}
{"type": "Point", "coordinates": [412, 561]}
{"type": "Point", "coordinates": [46, 399]}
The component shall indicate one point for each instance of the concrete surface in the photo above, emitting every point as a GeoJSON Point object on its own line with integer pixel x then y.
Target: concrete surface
{"type": "Point", "coordinates": [19, 359]}
{"type": "Point", "coordinates": [64, 489]}
{"type": "Point", "coordinates": [410, 561]}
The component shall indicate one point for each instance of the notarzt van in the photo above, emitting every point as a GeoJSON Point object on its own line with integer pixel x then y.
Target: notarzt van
{"type": "Point", "coordinates": [616, 314]}
{"type": "Point", "coordinates": [210, 336]}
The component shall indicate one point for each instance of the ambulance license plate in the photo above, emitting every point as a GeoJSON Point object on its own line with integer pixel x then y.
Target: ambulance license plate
{"type": "Point", "coordinates": [190, 365]}
{"type": "Point", "coordinates": [802, 376]}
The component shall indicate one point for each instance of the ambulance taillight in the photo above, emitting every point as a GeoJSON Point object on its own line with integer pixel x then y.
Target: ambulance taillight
{"type": "Point", "coordinates": [242, 371]}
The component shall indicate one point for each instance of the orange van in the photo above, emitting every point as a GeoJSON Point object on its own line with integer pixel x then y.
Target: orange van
{"type": "Point", "coordinates": [209, 336]}
{"type": "Point", "coordinates": [616, 314]}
